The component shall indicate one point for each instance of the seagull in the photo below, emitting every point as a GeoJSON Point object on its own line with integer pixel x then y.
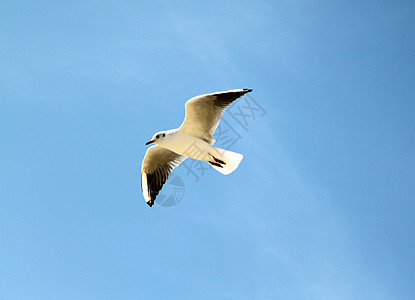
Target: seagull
{"type": "Point", "coordinates": [194, 139]}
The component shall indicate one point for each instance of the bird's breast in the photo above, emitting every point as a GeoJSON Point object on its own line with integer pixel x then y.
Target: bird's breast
{"type": "Point", "coordinates": [188, 146]}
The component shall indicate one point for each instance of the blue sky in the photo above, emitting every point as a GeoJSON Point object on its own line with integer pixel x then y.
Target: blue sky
{"type": "Point", "coordinates": [321, 207]}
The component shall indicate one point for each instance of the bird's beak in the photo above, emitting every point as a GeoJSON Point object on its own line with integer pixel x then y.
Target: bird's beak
{"type": "Point", "coordinates": [150, 142]}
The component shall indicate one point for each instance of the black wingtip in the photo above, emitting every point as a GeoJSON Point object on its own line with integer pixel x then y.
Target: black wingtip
{"type": "Point", "coordinates": [150, 203]}
{"type": "Point", "coordinates": [248, 90]}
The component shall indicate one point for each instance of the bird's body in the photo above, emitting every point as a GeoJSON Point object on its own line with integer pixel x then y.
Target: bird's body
{"type": "Point", "coordinates": [196, 148]}
{"type": "Point", "coordinates": [193, 139]}
{"type": "Point", "coordinates": [184, 144]}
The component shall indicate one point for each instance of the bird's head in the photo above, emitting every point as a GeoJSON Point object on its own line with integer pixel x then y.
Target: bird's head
{"type": "Point", "coordinates": [157, 137]}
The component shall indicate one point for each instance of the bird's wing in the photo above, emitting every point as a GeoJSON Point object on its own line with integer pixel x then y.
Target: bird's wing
{"type": "Point", "coordinates": [203, 113]}
{"type": "Point", "coordinates": [158, 163]}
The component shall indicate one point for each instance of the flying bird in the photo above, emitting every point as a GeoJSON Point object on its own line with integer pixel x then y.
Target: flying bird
{"type": "Point", "coordinates": [194, 139]}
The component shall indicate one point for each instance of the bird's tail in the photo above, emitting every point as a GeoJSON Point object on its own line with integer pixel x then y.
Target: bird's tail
{"type": "Point", "coordinates": [225, 161]}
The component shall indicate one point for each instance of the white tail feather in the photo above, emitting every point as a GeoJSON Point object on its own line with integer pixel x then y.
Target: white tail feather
{"type": "Point", "coordinates": [231, 159]}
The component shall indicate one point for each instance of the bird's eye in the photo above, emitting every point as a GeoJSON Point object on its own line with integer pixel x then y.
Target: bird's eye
{"type": "Point", "coordinates": [157, 136]}
{"type": "Point", "coordinates": [164, 134]}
